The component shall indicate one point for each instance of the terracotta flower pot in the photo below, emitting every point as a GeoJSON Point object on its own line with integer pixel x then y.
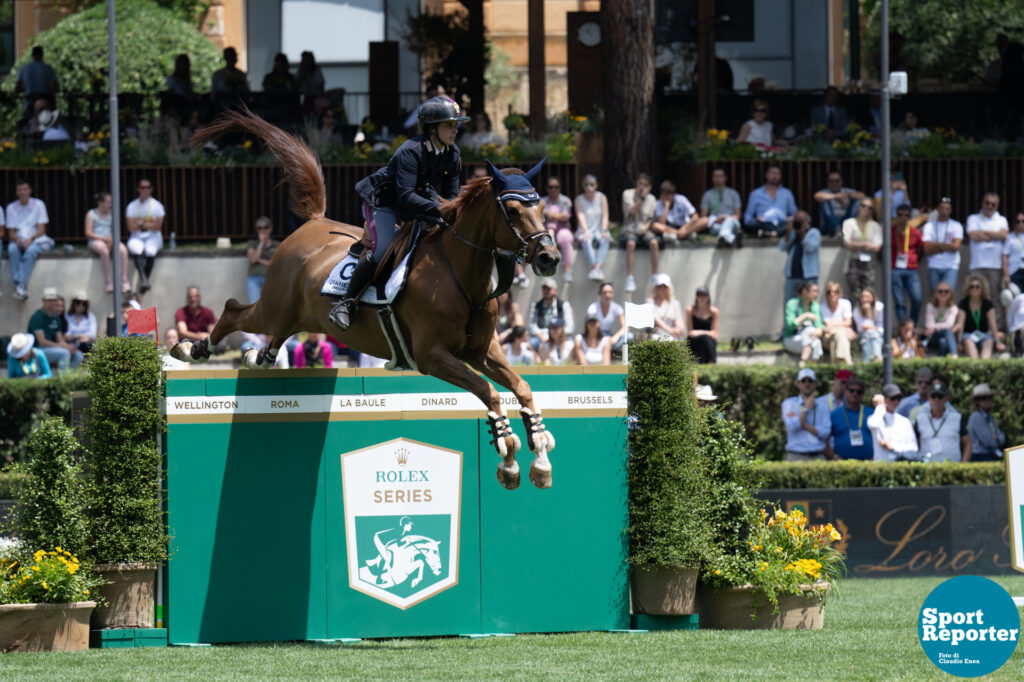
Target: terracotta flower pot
{"type": "Point", "coordinates": [45, 627]}
{"type": "Point", "coordinates": [748, 608]}
{"type": "Point", "coordinates": [663, 591]}
{"type": "Point", "coordinates": [129, 592]}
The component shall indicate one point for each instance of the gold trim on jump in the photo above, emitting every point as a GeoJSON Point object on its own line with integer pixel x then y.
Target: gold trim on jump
{"type": "Point", "coordinates": [320, 373]}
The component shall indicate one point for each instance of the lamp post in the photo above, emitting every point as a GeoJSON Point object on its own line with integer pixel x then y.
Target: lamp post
{"type": "Point", "coordinates": [887, 298]}
{"type": "Point", "coordinates": [115, 168]}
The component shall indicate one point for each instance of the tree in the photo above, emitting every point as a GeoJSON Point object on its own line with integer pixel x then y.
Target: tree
{"type": "Point", "coordinates": [454, 57]}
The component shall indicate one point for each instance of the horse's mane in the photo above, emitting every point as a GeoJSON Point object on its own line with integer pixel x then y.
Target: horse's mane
{"type": "Point", "coordinates": [451, 209]}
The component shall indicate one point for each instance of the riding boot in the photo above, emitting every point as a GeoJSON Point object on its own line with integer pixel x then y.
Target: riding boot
{"type": "Point", "coordinates": [150, 261]}
{"type": "Point", "coordinates": [344, 311]}
{"type": "Point", "coordinates": [140, 266]}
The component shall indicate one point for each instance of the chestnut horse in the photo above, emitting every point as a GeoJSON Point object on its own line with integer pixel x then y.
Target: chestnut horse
{"type": "Point", "coordinates": [444, 312]}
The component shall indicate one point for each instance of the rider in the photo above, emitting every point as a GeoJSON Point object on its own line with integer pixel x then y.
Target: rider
{"type": "Point", "coordinates": [424, 171]}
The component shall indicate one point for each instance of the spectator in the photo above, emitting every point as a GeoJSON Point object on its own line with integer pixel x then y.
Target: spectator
{"type": "Point", "coordinates": [675, 217]}
{"type": "Point", "coordinates": [36, 78]}
{"type": "Point", "coordinates": [977, 320]}
{"type": "Point", "coordinates": [892, 434]}
{"type": "Point", "coordinates": [837, 315]}
{"type": "Point", "coordinates": [509, 316]}
{"type": "Point", "coordinates": [556, 208]}
{"type": "Point", "coordinates": [807, 424]}
{"type": "Point", "coordinates": [80, 323]}
{"type": "Point", "coordinates": [851, 436]}
{"type": "Point", "coordinates": [1015, 323]}
{"type": "Point", "coordinates": [862, 237]}
{"type": "Point", "coordinates": [47, 324]}
{"type": "Point", "coordinates": [1013, 254]}
{"type": "Point", "coordinates": [592, 347]}
{"type": "Point", "coordinates": [987, 232]}
{"type": "Point", "coordinates": [801, 244]}
{"type": "Point", "coordinates": [830, 114]}
{"type": "Point", "coordinates": [145, 218]}
{"type": "Point", "coordinates": [906, 250]}
{"type": "Point", "coordinates": [899, 194]}
{"type": "Point", "coordinates": [610, 314]}
{"type": "Point", "coordinates": [309, 81]}
{"type": "Point", "coordinates": [942, 323]}
{"type": "Point", "coordinates": [923, 380]}
{"type": "Point", "coordinates": [869, 321]}
{"type": "Point", "coordinates": [557, 350]}
{"type": "Point", "coordinates": [229, 83]}
{"type": "Point", "coordinates": [838, 203]}
{"type": "Point", "coordinates": [26, 225]}
{"type": "Point", "coordinates": [758, 129]}
{"type": "Point", "coordinates": [702, 327]}
{"type": "Point", "coordinates": [905, 344]}
{"type": "Point", "coordinates": [259, 251]}
{"type": "Point", "coordinates": [546, 309]}
{"type": "Point", "coordinates": [313, 352]}
{"type": "Point", "coordinates": [769, 206]}
{"type": "Point", "coordinates": [940, 429]}
{"type": "Point", "coordinates": [518, 350]}
{"type": "Point", "coordinates": [482, 133]}
{"type": "Point", "coordinates": [170, 341]}
{"type": "Point", "coordinates": [25, 361]}
{"type": "Point", "coordinates": [833, 399]}
{"type": "Point", "coordinates": [909, 131]}
{"type": "Point", "coordinates": [942, 238]}
{"type": "Point", "coordinates": [99, 232]}
{"type": "Point", "coordinates": [180, 81]}
{"type": "Point", "coordinates": [592, 223]}
{"type": "Point", "coordinates": [804, 328]}
{"type": "Point", "coordinates": [638, 207]}
{"type": "Point", "coordinates": [194, 321]}
{"type": "Point", "coordinates": [987, 439]}
{"type": "Point", "coordinates": [280, 80]}
{"type": "Point", "coordinates": [721, 206]}
{"type": "Point", "coordinates": [668, 316]}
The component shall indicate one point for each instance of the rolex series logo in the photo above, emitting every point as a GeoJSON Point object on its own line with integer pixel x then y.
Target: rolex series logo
{"type": "Point", "coordinates": [402, 456]}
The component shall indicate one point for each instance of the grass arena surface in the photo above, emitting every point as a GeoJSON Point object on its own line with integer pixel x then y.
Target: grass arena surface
{"type": "Point", "coordinates": [870, 634]}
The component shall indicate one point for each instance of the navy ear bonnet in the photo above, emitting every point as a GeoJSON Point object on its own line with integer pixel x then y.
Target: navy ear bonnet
{"type": "Point", "coordinates": [518, 187]}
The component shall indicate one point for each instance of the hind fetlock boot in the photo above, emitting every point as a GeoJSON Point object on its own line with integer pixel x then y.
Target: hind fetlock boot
{"type": "Point", "coordinates": [344, 311]}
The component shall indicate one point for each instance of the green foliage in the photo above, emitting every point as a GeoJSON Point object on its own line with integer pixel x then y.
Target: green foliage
{"type": "Point", "coordinates": [23, 405]}
{"type": "Point", "coordinates": [49, 504]}
{"type": "Point", "coordinates": [854, 474]}
{"type": "Point", "coordinates": [446, 45]}
{"type": "Point", "coordinates": [53, 577]}
{"type": "Point", "coordinates": [122, 426]}
{"type": "Point", "coordinates": [753, 394]}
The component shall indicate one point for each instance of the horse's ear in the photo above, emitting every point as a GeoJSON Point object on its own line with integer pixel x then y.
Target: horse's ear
{"type": "Point", "coordinates": [499, 177]}
{"type": "Point", "coordinates": [532, 174]}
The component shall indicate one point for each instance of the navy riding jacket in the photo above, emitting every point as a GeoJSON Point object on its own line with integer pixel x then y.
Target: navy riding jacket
{"type": "Point", "coordinates": [415, 180]}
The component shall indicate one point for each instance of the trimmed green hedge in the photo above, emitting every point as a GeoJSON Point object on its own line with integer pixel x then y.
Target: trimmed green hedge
{"type": "Point", "coordinates": [854, 474]}
{"type": "Point", "coordinates": [24, 403]}
{"type": "Point", "coordinates": [753, 394]}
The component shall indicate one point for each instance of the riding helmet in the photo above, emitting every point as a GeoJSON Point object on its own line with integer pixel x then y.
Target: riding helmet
{"type": "Point", "coordinates": [438, 109]}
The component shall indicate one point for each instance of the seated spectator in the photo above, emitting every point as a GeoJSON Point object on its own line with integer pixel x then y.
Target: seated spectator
{"type": "Point", "coordinates": [279, 81]}
{"type": "Point", "coordinates": [830, 114]}
{"type": "Point", "coordinates": [987, 231]}
{"type": "Point", "coordinates": [638, 208]}
{"type": "Point", "coordinates": [557, 350]}
{"type": "Point", "coordinates": [80, 323]}
{"type": "Point", "coordinates": [611, 315]}
{"type": "Point", "coordinates": [1015, 323]}
{"type": "Point", "coordinates": [923, 380]}
{"type": "Point", "coordinates": [556, 209]}
{"type": "Point", "coordinates": [977, 320]}
{"type": "Point", "coordinates": [987, 439]}
{"type": "Point", "coordinates": [481, 134]}
{"type": "Point", "coordinates": [99, 232]}
{"type": "Point", "coordinates": [546, 309]}
{"type": "Point", "coordinates": [851, 436]}
{"type": "Point", "coordinates": [942, 237]}
{"type": "Point", "coordinates": [801, 243]}
{"type": "Point", "coordinates": [869, 321]}
{"type": "Point", "coordinates": [518, 350]}
{"type": "Point", "coordinates": [838, 203]}
{"type": "Point", "coordinates": [675, 218]}
{"type": "Point", "coordinates": [905, 344]}
{"type": "Point", "coordinates": [832, 400]}
{"type": "Point", "coordinates": [592, 347]}
{"type": "Point", "coordinates": [900, 195]}
{"type": "Point", "coordinates": [942, 323]}
{"type": "Point", "coordinates": [126, 305]}
{"type": "Point", "coordinates": [259, 252]}
{"type": "Point", "coordinates": [230, 83]}
{"type": "Point", "coordinates": [25, 361]}
{"type": "Point", "coordinates": [329, 130]}
{"type": "Point", "coordinates": [145, 219]}
{"type": "Point", "coordinates": [906, 251]}
{"type": "Point", "coordinates": [807, 424]}
{"type": "Point", "coordinates": [758, 129]}
{"type": "Point", "coordinates": [668, 315]}
{"type": "Point", "coordinates": [909, 131]}
{"type": "Point", "coordinates": [53, 127]}
{"type": "Point", "coordinates": [26, 227]}
{"type": "Point", "coordinates": [721, 206]}
{"type": "Point", "coordinates": [940, 428]}
{"type": "Point", "coordinates": [862, 238]}
{"type": "Point", "coordinates": [592, 223]}
{"type": "Point", "coordinates": [770, 206]}
{"type": "Point", "coordinates": [892, 434]}
{"type": "Point", "coordinates": [1013, 254]}
{"type": "Point", "coordinates": [193, 320]}
{"type": "Point", "coordinates": [509, 316]}
{"type": "Point", "coordinates": [837, 315]}
{"type": "Point", "coordinates": [47, 324]}
{"type": "Point", "coordinates": [804, 328]}
{"type": "Point", "coordinates": [171, 339]}
{"type": "Point", "coordinates": [702, 327]}
{"type": "Point", "coordinates": [313, 352]}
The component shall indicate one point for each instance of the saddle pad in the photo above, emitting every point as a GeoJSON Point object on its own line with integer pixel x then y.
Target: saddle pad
{"type": "Point", "coordinates": [337, 282]}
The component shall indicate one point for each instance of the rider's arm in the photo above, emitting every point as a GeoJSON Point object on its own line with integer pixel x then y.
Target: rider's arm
{"type": "Point", "coordinates": [451, 176]}
{"type": "Point", "coordinates": [406, 175]}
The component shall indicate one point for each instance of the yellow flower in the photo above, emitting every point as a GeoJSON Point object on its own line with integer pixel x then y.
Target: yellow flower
{"type": "Point", "coordinates": [45, 586]}
{"type": "Point", "coordinates": [758, 548]}
{"type": "Point", "coordinates": [35, 568]}
{"type": "Point", "coordinates": [58, 549]}
{"type": "Point", "coordinates": [779, 514]}
{"type": "Point", "coordinates": [87, 592]}
{"type": "Point", "coordinates": [717, 572]}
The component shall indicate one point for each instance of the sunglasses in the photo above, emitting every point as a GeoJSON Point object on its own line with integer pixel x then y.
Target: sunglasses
{"type": "Point", "coordinates": [554, 187]}
{"type": "Point", "coordinates": [974, 286]}
{"type": "Point", "coordinates": [936, 397]}
{"type": "Point", "coordinates": [807, 381]}
{"type": "Point", "coordinates": [924, 383]}
{"type": "Point", "coordinates": [262, 228]}
{"type": "Point", "coordinates": [145, 186]}
{"type": "Point", "coordinates": [1019, 220]}
{"type": "Point", "coordinates": [869, 207]}
{"type": "Point", "coordinates": [990, 203]}
{"type": "Point", "coordinates": [943, 291]}
{"type": "Point", "coordinates": [590, 184]}
{"type": "Point", "coordinates": [760, 111]}
{"type": "Point", "coordinates": [855, 391]}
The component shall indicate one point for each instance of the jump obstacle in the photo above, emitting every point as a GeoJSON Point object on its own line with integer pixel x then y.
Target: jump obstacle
{"type": "Point", "coordinates": [334, 504]}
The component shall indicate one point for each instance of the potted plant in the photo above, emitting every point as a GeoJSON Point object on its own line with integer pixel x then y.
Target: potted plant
{"type": "Point", "coordinates": [127, 535]}
{"type": "Point", "coordinates": [668, 533]}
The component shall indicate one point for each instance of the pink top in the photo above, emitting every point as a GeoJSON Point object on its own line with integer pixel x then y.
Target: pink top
{"type": "Point", "coordinates": [299, 356]}
{"type": "Point", "coordinates": [932, 325]}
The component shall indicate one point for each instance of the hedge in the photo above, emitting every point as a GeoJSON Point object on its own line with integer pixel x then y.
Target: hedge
{"type": "Point", "coordinates": [24, 403]}
{"type": "Point", "coordinates": [854, 474]}
{"type": "Point", "coordinates": [753, 394]}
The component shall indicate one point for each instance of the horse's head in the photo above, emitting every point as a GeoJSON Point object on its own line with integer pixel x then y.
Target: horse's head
{"type": "Point", "coordinates": [429, 550]}
{"type": "Point", "coordinates": [519, 203]}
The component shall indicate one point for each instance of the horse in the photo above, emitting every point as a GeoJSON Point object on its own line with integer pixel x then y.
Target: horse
{"type": "Point", "coordinates": [406, 557]}
{"type": "Point", "coordinates": [444, 312]}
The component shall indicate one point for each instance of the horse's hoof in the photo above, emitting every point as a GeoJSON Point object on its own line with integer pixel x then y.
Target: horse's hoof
{"type": "Point", "coordinates": [182, 351]}
{"type": "Point", "coordinates": [200, 351]}
{"type": "Point", "coordinates": [508, 480]}
{"type": "Point", "coordinates": [250, 359]}
{"type": "Point", "coordinates": [540, 475]}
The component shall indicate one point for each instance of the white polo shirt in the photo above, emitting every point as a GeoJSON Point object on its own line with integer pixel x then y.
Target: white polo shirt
{"type": "Point", "coordinates": [148, 210]}
{"type": "Point", "coordinates": [986, 254]}
{"type": "Point", "coordinates": [25, 219]}
{"type": "Point", "coordinates": [943, 233]}
{"type": "Point", "coordinates": [1014, 251]}
{"type": "Point", "coordinates": [896, 430]}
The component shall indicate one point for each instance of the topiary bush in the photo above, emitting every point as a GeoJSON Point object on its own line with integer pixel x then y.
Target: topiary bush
{"type": "Point", "coordinates": [855, 474]}
{"type": "Point", "coordinates": [122, 426]}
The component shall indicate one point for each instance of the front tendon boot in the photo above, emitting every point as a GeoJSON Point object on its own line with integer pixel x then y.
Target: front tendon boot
{"type": "Point", "coordinates": [344, 311]}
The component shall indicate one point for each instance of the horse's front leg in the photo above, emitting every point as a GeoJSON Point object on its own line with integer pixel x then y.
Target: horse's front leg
{"type": "Point", "coordinates": [540, 441]}
{"type": "Point", "coordinates": [419, 574]}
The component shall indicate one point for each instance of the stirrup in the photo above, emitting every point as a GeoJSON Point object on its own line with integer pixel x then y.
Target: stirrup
{"type": "Point", "coordinates": [342, 313]}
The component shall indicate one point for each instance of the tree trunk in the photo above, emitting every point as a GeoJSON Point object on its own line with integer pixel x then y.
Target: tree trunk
{"type": "Point", "coordinates": [477, 60]}
{"type": "Point", "coordinates": [630, 125]}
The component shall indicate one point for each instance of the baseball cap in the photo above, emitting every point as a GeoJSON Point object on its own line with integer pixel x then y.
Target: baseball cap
{"type": "Point", "coordinates": [50, 293]}
{"type": "Point", "coordinates": [549, 282]}
{"type": "Point", "coordinates": [940, 389]}
{"type": "Point", "coordinates": [981, 391]}
{"type": "Point", "coordinates": [806, 373]}
{"type": "Point", "coordinates": [703, 290]}
{"type": "Point", "coordinates": [592, 315]}
{"type": "Point", "coordinates": [844, 375]}
{"type": "Point", "coordinates": [556, 322]}
{"type": "Point", "coordinates": [891, 391]}
{"type": "Point", "coordinates": [661, 278]}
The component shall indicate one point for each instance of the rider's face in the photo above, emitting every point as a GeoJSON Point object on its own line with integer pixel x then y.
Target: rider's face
{"type": "Point", "coordinates": [446, 132]}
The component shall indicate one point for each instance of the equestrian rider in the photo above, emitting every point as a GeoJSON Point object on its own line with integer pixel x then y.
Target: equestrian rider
{"type": "Point", "coordinates": [423, 172]}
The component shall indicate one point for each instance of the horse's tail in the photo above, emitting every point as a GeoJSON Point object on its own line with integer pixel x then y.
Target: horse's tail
{"type": "Point", "coordinates": [305, 177]}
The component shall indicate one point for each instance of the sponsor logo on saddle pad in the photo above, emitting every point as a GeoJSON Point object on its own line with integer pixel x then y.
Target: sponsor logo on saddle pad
{"type": "Point", "coordinates": [402, 501]}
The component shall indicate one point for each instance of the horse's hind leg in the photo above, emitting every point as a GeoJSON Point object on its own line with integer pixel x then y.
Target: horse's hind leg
{"type": "Point", "coordinates": [235, 316]}
{"type": "Point", "coordinates": [263, 358]}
